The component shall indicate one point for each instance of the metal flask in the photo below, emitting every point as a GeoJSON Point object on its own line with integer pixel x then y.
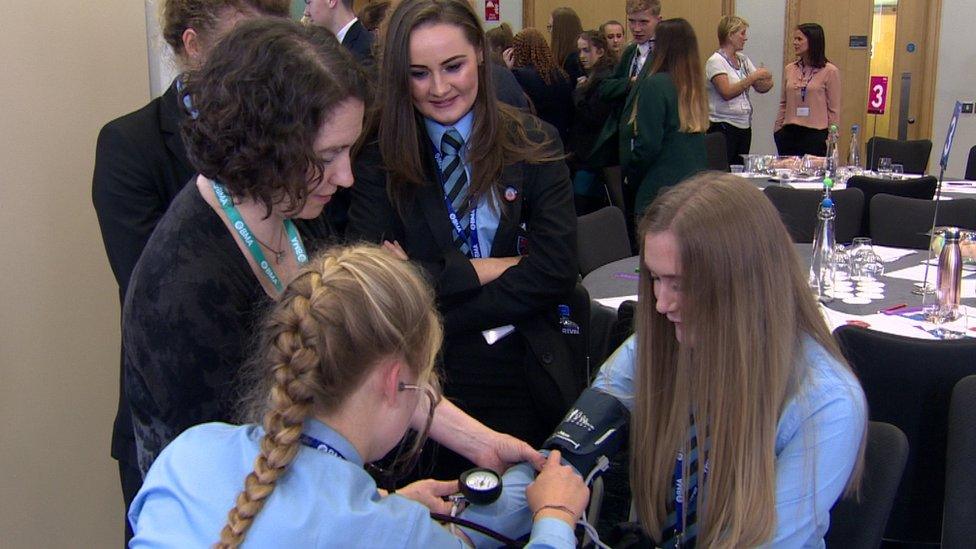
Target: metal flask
{"type": "Point", "coordinates": [949, 277]}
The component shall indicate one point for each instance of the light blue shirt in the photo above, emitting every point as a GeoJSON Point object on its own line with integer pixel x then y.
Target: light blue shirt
{"type": "Point", "coordinates": [321, 500]}
{"type": "Point", "coordinates": [817, 438]}
{"type": "Point", "coordinates": [487, 216]}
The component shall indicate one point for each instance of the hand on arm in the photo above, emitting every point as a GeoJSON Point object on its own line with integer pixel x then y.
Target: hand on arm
{"type": "Point", "coordinates": [431, 494]}
{"type": "Point", "coordinates": [558, 492]}
{"type": "Point", "coordinates": [472, 439]}
{"type": "Point", "coordinates": [490, 268]}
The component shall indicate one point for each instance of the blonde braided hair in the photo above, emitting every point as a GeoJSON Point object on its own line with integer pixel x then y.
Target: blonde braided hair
{"type": "Point", "coordinates": [346, 312]}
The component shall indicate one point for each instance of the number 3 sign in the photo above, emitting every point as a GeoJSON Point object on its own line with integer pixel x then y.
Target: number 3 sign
{"type": "Point", "coordinates": [878, 95]}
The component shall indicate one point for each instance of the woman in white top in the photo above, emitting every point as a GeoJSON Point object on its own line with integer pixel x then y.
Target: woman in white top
{"type": "Point", "coordinates": [730, 74]}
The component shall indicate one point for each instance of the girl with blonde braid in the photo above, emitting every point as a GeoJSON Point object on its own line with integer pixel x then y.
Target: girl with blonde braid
{"type": "Point", "coordinates": [345, 363]}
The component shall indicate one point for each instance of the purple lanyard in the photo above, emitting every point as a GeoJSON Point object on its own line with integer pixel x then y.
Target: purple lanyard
{"type": "Point", "coordinates": [803, 89]}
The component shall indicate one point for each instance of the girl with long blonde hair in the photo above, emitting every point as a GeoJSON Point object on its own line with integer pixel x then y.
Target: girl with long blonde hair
{"type": "Point", "coordinates": [747, 424]}
{"type": "Point", "coordinates": [662, 136]}
{"type": "Point", "coordinates": [345, 363]}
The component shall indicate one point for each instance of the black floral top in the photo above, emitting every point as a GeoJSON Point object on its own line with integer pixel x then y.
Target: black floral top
{"type": "Point", "coordinates": [188, 320]}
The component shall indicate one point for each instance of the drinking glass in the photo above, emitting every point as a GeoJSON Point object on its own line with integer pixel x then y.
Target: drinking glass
{"type": "Point", "coordinates": [948, 321]}
{"type": "Point", "coordinates": [737, 169]}
{"type": "Point", "coordinates": [897, 171]}
{"type": "Point", "coordinates": [866, 265]}
{"type": "Point", "coordinates": [884, 166]}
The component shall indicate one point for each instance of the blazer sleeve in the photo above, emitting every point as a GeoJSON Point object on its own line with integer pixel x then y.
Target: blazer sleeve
{"type": "Point", "coordinates": [652, 115]}
{"type": "Point", "coordinates": [374, 218]}
{"type": "Point", "coordinates": [126, 200]}
{"type": "Point", "coordinates": [548, 273]}
{"type": "Point", "coordinates": [615, 87]}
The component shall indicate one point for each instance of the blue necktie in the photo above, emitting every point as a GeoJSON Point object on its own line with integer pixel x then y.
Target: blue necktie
{"type": "Point", "coordinates": [456, 183]}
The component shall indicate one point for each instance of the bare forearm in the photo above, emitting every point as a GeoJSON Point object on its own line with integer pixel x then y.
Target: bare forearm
{"type": "Point", "coordinates": [454, 428]}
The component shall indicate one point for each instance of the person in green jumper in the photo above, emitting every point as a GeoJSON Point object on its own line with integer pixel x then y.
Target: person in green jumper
{"type": "Point", "coordinates": [617, 90]}
{"type": "Point", "coordinates": [662, 131]}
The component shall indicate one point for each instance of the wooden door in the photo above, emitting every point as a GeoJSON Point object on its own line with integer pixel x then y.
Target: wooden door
{"type": "Point", "coordinates": [704, 16]}
{"type": "Point", "coordinates": [916, 54]}
{"type": "Point", "coordinates": [841, 20]}
{"type": "Point", "coordinates": [535, 13]}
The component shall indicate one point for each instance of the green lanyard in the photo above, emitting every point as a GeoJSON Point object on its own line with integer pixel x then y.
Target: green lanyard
{"type": "Point", "coordinates": [294, 239]}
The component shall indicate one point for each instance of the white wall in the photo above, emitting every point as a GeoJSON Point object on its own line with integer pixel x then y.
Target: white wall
{"type": "Point", "coordinates": [765, 46]}
{"type": "Point", "coordinates": [956, 80]}
{"type": "Point", "coordinates": [68, 67]}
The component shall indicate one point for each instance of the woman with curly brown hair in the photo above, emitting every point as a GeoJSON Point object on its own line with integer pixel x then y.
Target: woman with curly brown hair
{"type": "Point", "coordinates": [271, 148]}
{"type": "Point", "coordinates": [141, 165]}
{"type": "Point", "coordinates": [344, 365]}
{"type": "Point", "coordinates": [546, 83]}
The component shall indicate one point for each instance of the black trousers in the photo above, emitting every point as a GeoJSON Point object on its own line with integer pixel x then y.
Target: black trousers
{"type": "Point", "coordinates": [131, 479]}
{"type": "Point", "coordinates": [737, 140]}
{"type": "Point", "coordinates": [793, 140]}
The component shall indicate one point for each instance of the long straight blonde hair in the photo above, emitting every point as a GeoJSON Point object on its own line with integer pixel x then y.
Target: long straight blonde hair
{"type": "Point", "coordinates": [746, 310]}
{"type": "Point", "coordinates": [676, 53]}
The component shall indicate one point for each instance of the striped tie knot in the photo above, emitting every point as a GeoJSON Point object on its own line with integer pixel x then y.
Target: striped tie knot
{"type": "Point", "coordinates": [451, 143]}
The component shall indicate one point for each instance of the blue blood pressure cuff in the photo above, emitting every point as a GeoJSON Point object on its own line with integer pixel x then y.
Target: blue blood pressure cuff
{"type": "Point", "coordinates": [591, 433]}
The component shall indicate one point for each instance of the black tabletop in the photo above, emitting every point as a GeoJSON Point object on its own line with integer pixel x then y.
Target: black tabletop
{"type": "Point", "coordinates": [619, 279]}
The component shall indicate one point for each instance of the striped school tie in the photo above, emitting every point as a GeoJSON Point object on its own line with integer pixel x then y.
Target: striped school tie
{"type": "Point", "coordinates": [456, 184]}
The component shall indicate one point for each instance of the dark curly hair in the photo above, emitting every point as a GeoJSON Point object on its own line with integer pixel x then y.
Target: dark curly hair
{"type": "Point", "coordinates": [531, 50]}
{"type": "Point", "coordinates": [260, 100]}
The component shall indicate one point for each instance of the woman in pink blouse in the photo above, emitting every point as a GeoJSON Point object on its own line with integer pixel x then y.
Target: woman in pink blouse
{"type": "Point", "coordinates": [810, 101]}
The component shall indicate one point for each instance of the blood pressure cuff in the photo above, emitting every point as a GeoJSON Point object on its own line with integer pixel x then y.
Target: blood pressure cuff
{"type": "Point", "coordinates": [595, 427]}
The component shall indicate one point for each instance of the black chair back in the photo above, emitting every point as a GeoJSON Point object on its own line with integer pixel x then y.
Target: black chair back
{"type": "Point", "coordinates": [971, 164]}
{"type": "Point", "coordinates": [919, 187]}
{"type": "Point", "coordinates": [959, 519]}
{"type": "Point", "coordinates": [913, 155]}
{"type": "Point", "coordinates": [798, 208]}
{"type": "Point", "coordinates": [716, 153]}
{"type": "Point", "coordinates": [601, 238]}
{"type": "Point", "coordinates": [859, 522]}
{"type": "Point", "coordinates": [908, 383]}
{"type": "Point", "coordinates": [905, 222]}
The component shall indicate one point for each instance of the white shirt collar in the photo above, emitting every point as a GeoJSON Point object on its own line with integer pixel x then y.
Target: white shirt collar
{"type": "Point", "coordinates": [341, 35]}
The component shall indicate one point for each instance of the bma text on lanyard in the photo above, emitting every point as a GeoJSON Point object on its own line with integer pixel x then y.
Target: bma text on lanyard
{"type": "Point", "coordinates": [471, 236]}
{"type": "Point", "coordinates": [679, 507]}
{"type": "Point", "coordinates": [294, 239]}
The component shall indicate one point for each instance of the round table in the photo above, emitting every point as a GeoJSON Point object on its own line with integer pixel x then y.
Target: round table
{"type": "Point", "coordinates": [619, 279]}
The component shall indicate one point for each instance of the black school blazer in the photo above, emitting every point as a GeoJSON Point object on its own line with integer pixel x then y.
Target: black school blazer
{"type": "Point", "coordinates": [539, 221]}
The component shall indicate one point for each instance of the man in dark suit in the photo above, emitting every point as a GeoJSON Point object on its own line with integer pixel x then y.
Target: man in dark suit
{"type": "Point", "coordinates": [338, 17]}
{"type": "Point", "coordinates": [617, 90]}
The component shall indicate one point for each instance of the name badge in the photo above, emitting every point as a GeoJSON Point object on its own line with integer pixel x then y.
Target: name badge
{"type": "Point", "coordinates": [803, 111]}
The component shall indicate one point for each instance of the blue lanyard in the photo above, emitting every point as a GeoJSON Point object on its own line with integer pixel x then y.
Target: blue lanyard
{"type": "Point", "coordinates": [741, 72]}
{"type": "Point", "coordinates": [471, 236]}
{"type": "Point", "coordinates": [679, 507]}
{"type": "Point", "coordinates": [294, 239]}
{"type": "Point", "coordinates": [316, 444]}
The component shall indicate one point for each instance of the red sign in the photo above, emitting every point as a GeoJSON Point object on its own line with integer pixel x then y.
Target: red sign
{"type": "Point", "coordinates": [878, 95]}
{"type": "Point", "coordinates": [491, 10]}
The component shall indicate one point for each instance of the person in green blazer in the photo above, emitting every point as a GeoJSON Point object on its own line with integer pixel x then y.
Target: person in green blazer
{"type": "Point", "coordinates": [642, 19]}
{"type": "Point", "coordinates": [662, 131]}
